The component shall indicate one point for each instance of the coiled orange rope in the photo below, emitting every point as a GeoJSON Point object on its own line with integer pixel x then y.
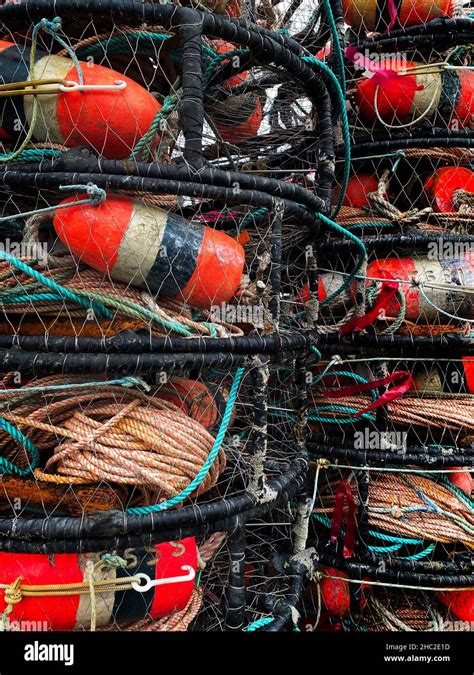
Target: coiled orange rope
{"type": "Point", "coordinates": [112, 434]}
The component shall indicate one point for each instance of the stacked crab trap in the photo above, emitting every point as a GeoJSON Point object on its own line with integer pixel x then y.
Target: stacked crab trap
{"type": "Point", "coordinates": [143, 337]}
{"type": "Point", "coordinates": [390, 405]}
{"type": "Point", "coordinates": [236, 316]}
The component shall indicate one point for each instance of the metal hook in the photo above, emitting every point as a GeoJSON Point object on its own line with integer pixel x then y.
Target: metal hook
{"type": "Point", "coordinates": [75, 86]}
{"type": "Point", "coordinates": [149, 583]}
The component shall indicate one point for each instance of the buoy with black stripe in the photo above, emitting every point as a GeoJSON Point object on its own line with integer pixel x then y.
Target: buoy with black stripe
{"type": "Point", "coordinates": [379, 15]}
{"type": "Point", "coordinates": [409, 91]}
{"type": "Point", "coordinates": [148, 247]}
{"type": "Point", "coordinates": [441, 187]}
{"type": "Point", "coordinates": [109, 121]}
{"type": "Point", "coordinates": [236, 118]}
{"type": "Point", "coordinates": [123, 595]}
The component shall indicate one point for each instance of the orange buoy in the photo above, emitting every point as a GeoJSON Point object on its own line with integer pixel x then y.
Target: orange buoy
{"type": "Point", "coordinates": [236, 117]}
{"type": "Point", "coordinates": [72, 611]}
{"type": "Point", "coordinates": [152, 248]}
{"type": "Point", "coordinates": [358, 187]}
{"type": "Point", "coordinates": [109, 121]}
{"type": "Point", "coordinates": [404, 91]}
{"type": "Point", "coordinates": [335, 592]}
{"type": "Point", "coordinates": [377, 15]}
{"type": "Point", "coordinates": [459, 603]}
{"type": "Point", "coordinates": [193, 398]}
{"type": "Point", "coordinates": [441, 186]}
{"type": "Point", "coordinates": [421, 305]}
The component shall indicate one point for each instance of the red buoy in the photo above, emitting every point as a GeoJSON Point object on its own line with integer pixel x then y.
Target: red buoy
{"type": "Point", "coordinates": [152, 248]}
{"type": "Point", "coordinates": [451, 272]}
{"type": "Point", "coordinates": [109, 121]}
{"type": "Point", "coordinates": [409, 91]}
{"type": "Point", "coordinates": [376, 15]}
{"type": "Point", "coordinates": [459, 603]}
{"type": "Point", "coordinates": [441, 186]}
{"type": "Point", "coordinates": [193, 398]}
{"type": "Point", "coordinates": [73, 611]}
{"type": "Point", "coordinates": [358, 187]}
{"type": "Point", "coordinates": [236, 117]}
{"type": "Point", "coordinates": [462, 479]}
{"type": "Point", "coordinates": [335, 592]}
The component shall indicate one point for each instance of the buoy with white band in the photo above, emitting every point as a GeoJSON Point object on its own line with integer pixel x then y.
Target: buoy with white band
{"type": "Point", "coordinates": [152, 248]}
{"type": "Point", "coordinates": [109, 113]}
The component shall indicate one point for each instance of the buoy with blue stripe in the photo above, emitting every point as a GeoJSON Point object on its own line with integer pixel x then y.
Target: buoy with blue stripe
{"type": "Point", "coordinates": [153, 249]}
{"type": "Point", "coordinates": [109, 120]}
{"type": "Point", "coordinates": [52, 592]}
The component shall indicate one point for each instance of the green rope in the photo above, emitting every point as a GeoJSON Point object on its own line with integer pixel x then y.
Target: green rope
{"type": "Point", "coordinates": [420, 288]}
{"type": "Point", "coordinates": [371, 292]}
{"type": "Point", "coordinates": [50, 27]}
{"type": "Point", "coordinates": [399, 541]}
{"type": "Point", "coordinates": [361, 260]}
{"type": "Point", "coordinates": [97, 196]}
{"type": "Point", "coordinates": [117, 42]}
{"type": "Point", "coordinates": [319, 65]}
{"type": "Point", "coordinates": [226, 56]}
{"type": "Point", "coordinates": [144, 144]}
{"type": "Point", "coordinates": [200, 476]}
{"type": "Point", "coordinates": [260, 623]}
{"type": "Point", "coordinates": [35, 154]}
{"type": "Point", "coordinates": [7, 466]}
{"type": "Point", "coordinates": [336, 43]}
{"type": "Point", "coordinates": [61, 291]}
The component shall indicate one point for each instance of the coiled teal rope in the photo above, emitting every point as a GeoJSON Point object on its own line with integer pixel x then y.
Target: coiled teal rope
{"type": "Point", "coordinates": [196, 482]}
{"type": "Point", "coordinates": [116, 43]}
{"type": "Point", "coordinates": [399, 541]}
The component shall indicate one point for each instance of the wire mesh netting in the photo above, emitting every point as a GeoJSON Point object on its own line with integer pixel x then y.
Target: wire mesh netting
{"type": "Point", "coordinates": [236, 315]}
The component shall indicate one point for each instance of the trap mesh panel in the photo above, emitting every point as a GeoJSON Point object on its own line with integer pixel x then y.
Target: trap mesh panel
{"type": "Point", "coordinates": [236, 237]}
{"type": "Point", "coordinates": [146, 482]}
{"type": "Point", "coordinates": [390, 404]}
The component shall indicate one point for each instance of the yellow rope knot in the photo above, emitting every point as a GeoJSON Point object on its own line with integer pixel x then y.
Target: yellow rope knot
{"type": "Point", "coordinates": [13, 595]}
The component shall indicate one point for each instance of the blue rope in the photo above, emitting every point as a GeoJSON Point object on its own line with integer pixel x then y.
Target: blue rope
{"type": "Point", "coordinates": [260, 623]}
{"type": "Point", "coordinates": [362, 258]}
{"type": "Point", "coordinates": [61, 291]}
{"type": "Point", "coordinates": [156, 508]}
{"type": "Point", "coordinates": [52, 27]}
{"type": "Point", "coordinates": [10, 468]}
